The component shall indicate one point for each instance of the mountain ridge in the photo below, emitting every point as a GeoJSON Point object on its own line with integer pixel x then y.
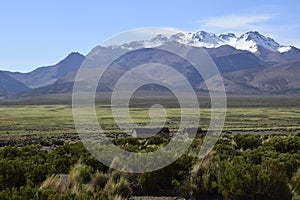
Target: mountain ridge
{"type": "Point", "coordinates": [277, 79]}
{"type": "Point", "coordinates": [238, 58]}
{"type": "Point", "coordinates": [249, 41]}
{"type": "Point", "coordinates": [47, 75]}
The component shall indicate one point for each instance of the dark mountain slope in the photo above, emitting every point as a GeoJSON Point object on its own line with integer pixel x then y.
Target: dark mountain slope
{"type": "Point", "coordinates": [9, 85]}
{"type": "Point", "coordinates": [48, 75]}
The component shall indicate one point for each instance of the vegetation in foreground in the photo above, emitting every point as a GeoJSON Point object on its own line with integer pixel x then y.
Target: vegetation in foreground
{"type": "Point", "coordinates": [239, 167]}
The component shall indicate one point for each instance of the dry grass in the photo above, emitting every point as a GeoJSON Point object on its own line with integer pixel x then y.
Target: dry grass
{"type": "Point", "coordinates": [120, 189]}
{"type": "Point", "coordinates": [79, 174]}
{"type": "Point", "coordinates": [99, 180]}
{"type": "Point", "coordinates": [80, 179]}
{"type": "Point", "coordinates": [74, 182]}
{"type": "Point", "coordinates": [55, 183]}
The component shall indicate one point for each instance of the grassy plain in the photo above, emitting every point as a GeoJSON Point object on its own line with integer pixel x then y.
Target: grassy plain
{"type": "Point", "coordinates": [39, 146]}
{"type": "Point", "coordinates": [249, 114]}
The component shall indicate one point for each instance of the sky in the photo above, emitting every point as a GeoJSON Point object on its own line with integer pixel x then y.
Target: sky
{"type": "Point", "coordinates": [37, 33]}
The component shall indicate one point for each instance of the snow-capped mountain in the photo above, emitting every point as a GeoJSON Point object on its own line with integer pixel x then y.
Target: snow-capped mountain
{"type": "Point", "coordinates": [250, 41]}
{"type": "Point", "coordinates": [249, 63]}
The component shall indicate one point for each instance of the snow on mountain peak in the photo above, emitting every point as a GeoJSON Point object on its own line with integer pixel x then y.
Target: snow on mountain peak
{"type": "Point", "coordinates": [180, 37]}
{"type": "Point", "coordinates": [283, 49]}
{"type": "Point", "coordinates": [250, 41]}
{"type": "Point", "coordinates": [159, 38]}
{"type": "Point", "coordinates": [227, 36]}
{"type": "Point", "coordinates": [204, 39]}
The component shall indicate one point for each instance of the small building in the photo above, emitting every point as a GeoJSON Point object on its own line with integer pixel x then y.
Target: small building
{"type": "Point", "coordinates": [193, 132]}
{"type": "Point", "coordinates": [149, 132]}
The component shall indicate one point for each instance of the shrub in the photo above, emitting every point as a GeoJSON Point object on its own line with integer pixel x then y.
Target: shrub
{"type": "Point", "coordinates": [296, 182]}
{"type": "Point", "coordinates": [45, 143]}
{"type": "Point", "coordinates": [79, 174]}
{"type": "Point", "coordinates": [121, 188]}
{"type": "Point", "coordinates": [166, 179]}
{"type": "Point", "coordinates": [284, 144]}
{"type": "Point", "coordinates": [239, 180]}
{"type": "Point", "coordinates": [156, 140]}
{"type": "Point", "coordinates": [247, 141]}
{"type": "Point", "coordinates": [58, 142]}
{"type": "Point", "coordinates": [99, 180]}
{"type": "Point", "coordinates": [116, 175]}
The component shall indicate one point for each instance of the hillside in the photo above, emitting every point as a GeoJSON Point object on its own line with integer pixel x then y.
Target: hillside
{"type": "Point", "coordinates": [43, 76]}
{"type": "Point", "coordinates": [281, 78]}
{"type": "Point", "coordinates": [9, 85]}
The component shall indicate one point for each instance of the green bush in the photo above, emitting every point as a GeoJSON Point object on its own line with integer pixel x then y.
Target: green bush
{"type": "Point", "coordinates": [284, 144]}
{"type": "Point", "coordinates": [239, 167]}
{"type": "Point", "coordinates": [247, 141]}
{"type": "Point", "coordinates": [156, 140]}
{"type": "Point", "coordinates": [295, 182]}
{"type": "Point", "coordinates": [166, 179]}
{"type": "Point", "coordinates": [237, 179]}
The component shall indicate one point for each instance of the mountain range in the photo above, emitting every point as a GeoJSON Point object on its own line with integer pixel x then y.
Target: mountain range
{"type": "Point", "coordinates": [249, 64]}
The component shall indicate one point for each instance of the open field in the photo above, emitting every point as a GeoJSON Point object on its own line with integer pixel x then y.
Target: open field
{"type": "Point", "coordinates": [244, 114]}
{"type": "Point", "coordinates": [30, 124]}
{"type": "Point", "coordinates": [40, 152]}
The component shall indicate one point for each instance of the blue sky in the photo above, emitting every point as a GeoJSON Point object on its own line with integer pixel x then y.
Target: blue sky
{"type": "Point", "coordinates": [40, 33]}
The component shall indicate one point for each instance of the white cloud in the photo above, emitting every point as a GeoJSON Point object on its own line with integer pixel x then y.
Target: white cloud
{"type": "Point", "coordinates": [236, 21]}
{"type": "Point", "coordinates": [266, 24]}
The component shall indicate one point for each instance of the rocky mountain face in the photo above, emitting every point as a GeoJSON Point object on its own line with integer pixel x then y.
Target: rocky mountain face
{"type": "Point", "coordinates": [249, 63]}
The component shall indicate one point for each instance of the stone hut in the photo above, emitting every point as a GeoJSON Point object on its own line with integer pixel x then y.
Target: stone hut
{"type": "Point", "coordinates": [193, 132]}
{"type": "Point", "coordinates": [149, 132]}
